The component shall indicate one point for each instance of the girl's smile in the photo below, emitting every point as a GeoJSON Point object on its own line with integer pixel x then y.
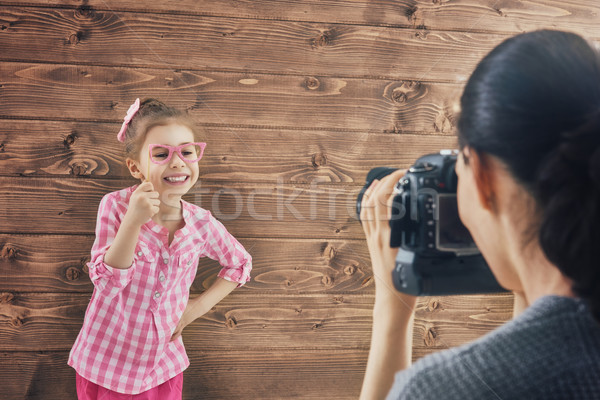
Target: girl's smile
{"type": "Point", "coordinates": [176, 179]}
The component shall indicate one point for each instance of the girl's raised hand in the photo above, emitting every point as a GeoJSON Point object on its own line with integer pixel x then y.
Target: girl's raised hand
{"type": "Point", "coordinates": [144, 204]}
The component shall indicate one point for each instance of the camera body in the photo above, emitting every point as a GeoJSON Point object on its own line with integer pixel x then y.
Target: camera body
{"type": "Point", "coordinates": [436, 253]}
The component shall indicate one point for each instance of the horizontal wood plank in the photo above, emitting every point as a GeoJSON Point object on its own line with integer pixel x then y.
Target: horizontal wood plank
{"type": "Point", "coordinates": [242, 321]}
{"type": "Point", "coordinates": [57, 263]}
{"type": "Point", "coordinates": [48, 91]}
{"type": "Point", "coordinates": [69, 206]}
{"type": "Point", "coordinates": [154, 40]}
{"type": "Point", "coordinates": [64, 148]}
{"type": "Point", "coordinates": [212, 375]}
{"type": "Point", "coordinates": [442, 322]}
{"type": "Point", "coordinates": [485, 15]}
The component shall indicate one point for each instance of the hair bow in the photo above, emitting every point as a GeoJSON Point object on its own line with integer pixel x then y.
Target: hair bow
{"type": "Point", "coordinates": [130, 113]}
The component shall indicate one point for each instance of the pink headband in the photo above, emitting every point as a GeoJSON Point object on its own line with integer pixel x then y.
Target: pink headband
{"type": "Point", "coordinates": [130, 113]}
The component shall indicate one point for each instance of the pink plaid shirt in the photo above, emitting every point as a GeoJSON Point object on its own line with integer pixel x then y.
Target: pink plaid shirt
{"type": "Point", "coordinates": [124, 344]}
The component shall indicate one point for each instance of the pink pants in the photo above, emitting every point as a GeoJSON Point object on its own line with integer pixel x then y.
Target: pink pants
{"type": "Point", "coordinates": [169, 390]}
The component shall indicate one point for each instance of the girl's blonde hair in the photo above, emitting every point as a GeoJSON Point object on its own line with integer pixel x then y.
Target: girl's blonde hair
{"type": "Point", "coordinates": [152, 113]}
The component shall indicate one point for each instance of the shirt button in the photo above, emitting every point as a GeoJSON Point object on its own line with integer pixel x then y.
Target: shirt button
{"type": "Point", "coordinates": [156, 295]}
{"type": "Point", "coordinates": [166, 260]}
{"type": "Point", "coordinates": [161, 278]}
{"type": "Point", "coordinates": [140, 253]}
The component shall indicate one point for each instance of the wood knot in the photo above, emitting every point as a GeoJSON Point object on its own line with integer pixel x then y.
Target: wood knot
{"type": "Point", "coordinates": [410, 13]}
{"type": "Point", "coordinates": [327, 280]}
{"type": "Point", "coordinates": [17, 322]}
{"type": "Point", "coordinates": [366, 281]}
{"type": "Point", "coordinates": [231, 322]}
{"type": "Point", "coordinates": [78, 168]}
{"type": "Point", "coordinates": [6, 298]}
{"type": "Point", "coordinates": [421, 32]}
{"type": "Point", "coordinates": [405, 90]}
{"type": "Point", "coordinates": [324, 39]}
{"type": "Point", "coordinates": [75, 38]}
{"type": "Point", "coordinates": [429, 337]}
{"type": "Point", "coordinates": [329, 252]}
{"type": "Point", "coordinates": [1, 144]}
{"type": "Point", "coordinates": [433, 304]}
{"type": "Point", "coordinates": [3, 27]}
{"type": "Point", "coordinates": [84, 11]}
{"type": "Point", "coordinates": [338, 299]}
{"type": "Point", "coordinates": [312, 83]}
{"type": "Point", "coordinates": [350, 270]}
{"type": "Point", "coordinates": [9, 252]}
{"type": "Point", "coordinates": [399, 96]}
{"type": "Point", "coordinates": [288, 283]}
{"type": "Point", "coordinates": [298, 311]}
{"type": "Point", "coordinates": [70, 139]}
{"type": "Point", "coordinates": [72, 273]}
{"type": "Point", "coordinates": [443, 122]}
{"type": "Point", "coordinates": [319, 159]}
{"type": "Point", "coordinates": [318, 325]}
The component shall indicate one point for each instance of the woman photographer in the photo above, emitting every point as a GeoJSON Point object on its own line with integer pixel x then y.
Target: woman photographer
{"type": "Point", "coordinates": [529, 193]}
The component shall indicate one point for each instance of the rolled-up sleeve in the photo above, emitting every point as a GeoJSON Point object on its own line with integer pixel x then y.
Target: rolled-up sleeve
{"type": "Point", "coordinates": [224, 248]}
{"type": "Point", "coordinates": [104, 276]}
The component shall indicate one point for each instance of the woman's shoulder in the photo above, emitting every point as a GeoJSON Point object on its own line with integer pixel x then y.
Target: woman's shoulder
{"type": "Point", "coordinates": [552, 350]}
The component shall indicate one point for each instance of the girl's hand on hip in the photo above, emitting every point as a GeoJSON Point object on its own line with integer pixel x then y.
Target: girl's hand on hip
{"type": "Point", "coordinates": [186, 318]}
{"type": "Point", "coordinates": [144, 204]}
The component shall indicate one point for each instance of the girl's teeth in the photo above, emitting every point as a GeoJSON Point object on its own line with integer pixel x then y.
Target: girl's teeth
{"type": "Point", "coordinates": [176, 179]}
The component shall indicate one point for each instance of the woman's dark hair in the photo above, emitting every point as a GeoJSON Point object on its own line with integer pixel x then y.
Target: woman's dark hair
{"type": "Point", "coordinates": [534, 103]}
{"type": "Point", "coordinates": [153, 112]}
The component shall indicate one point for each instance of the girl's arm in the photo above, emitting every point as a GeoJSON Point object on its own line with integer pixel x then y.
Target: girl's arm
{"type": "Point", "coordinates": [200, 305]}
{"type": "Point", "coordinates": [143, 204]}
{"type": "Point", "coordinates": [391, 338]}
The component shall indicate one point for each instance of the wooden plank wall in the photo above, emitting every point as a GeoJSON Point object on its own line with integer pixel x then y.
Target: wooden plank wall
{"type": "Point", "coordinates": [299, 99]}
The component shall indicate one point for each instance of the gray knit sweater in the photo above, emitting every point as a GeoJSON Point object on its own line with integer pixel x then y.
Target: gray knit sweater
{"type": "Point", "coordinates": [551, 351]}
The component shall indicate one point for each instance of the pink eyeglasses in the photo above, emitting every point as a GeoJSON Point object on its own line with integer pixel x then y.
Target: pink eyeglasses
{"type": "Point", "coordinates": [188, 152]}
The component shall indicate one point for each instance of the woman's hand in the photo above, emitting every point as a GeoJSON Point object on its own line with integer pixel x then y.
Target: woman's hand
{"type": "Point", "coordinates": [143, 204]}
{"type": "Point", "coordinates": [391, 344]}
{"type": "Point", "coordinates": [375, 215]}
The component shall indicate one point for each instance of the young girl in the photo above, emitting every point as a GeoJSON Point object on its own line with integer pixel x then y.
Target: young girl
{"type": "Point", "coordinates": [144, 260]}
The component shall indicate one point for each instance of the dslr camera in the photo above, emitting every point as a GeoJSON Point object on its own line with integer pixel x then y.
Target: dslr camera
{"type": "Point", "coordinates": [436, 253]}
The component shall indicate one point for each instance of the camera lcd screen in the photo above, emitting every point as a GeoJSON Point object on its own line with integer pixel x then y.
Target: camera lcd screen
{"type": "Point", "coordinates": [452, 235]}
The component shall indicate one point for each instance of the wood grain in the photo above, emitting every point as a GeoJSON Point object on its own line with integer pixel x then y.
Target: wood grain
{"type": "Point", "coordinates": [64, 148]}
{"type": "Point", "coordinates": [299, 100]}
{"type": "Point", "coordinates": [154, 40]}
{"type": "Point", "coordinates": [48, 91]}
{"type": "Point", "coordinates": [69, 206]}
{"type": "Point", "coordinates": [457, 15]}
{"type": "Point", "coordinates": [258, 375]}
{"type": "Point", "coordinates": [57, 263]}
{"type": "Point", "coordinates": [243, 321]}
